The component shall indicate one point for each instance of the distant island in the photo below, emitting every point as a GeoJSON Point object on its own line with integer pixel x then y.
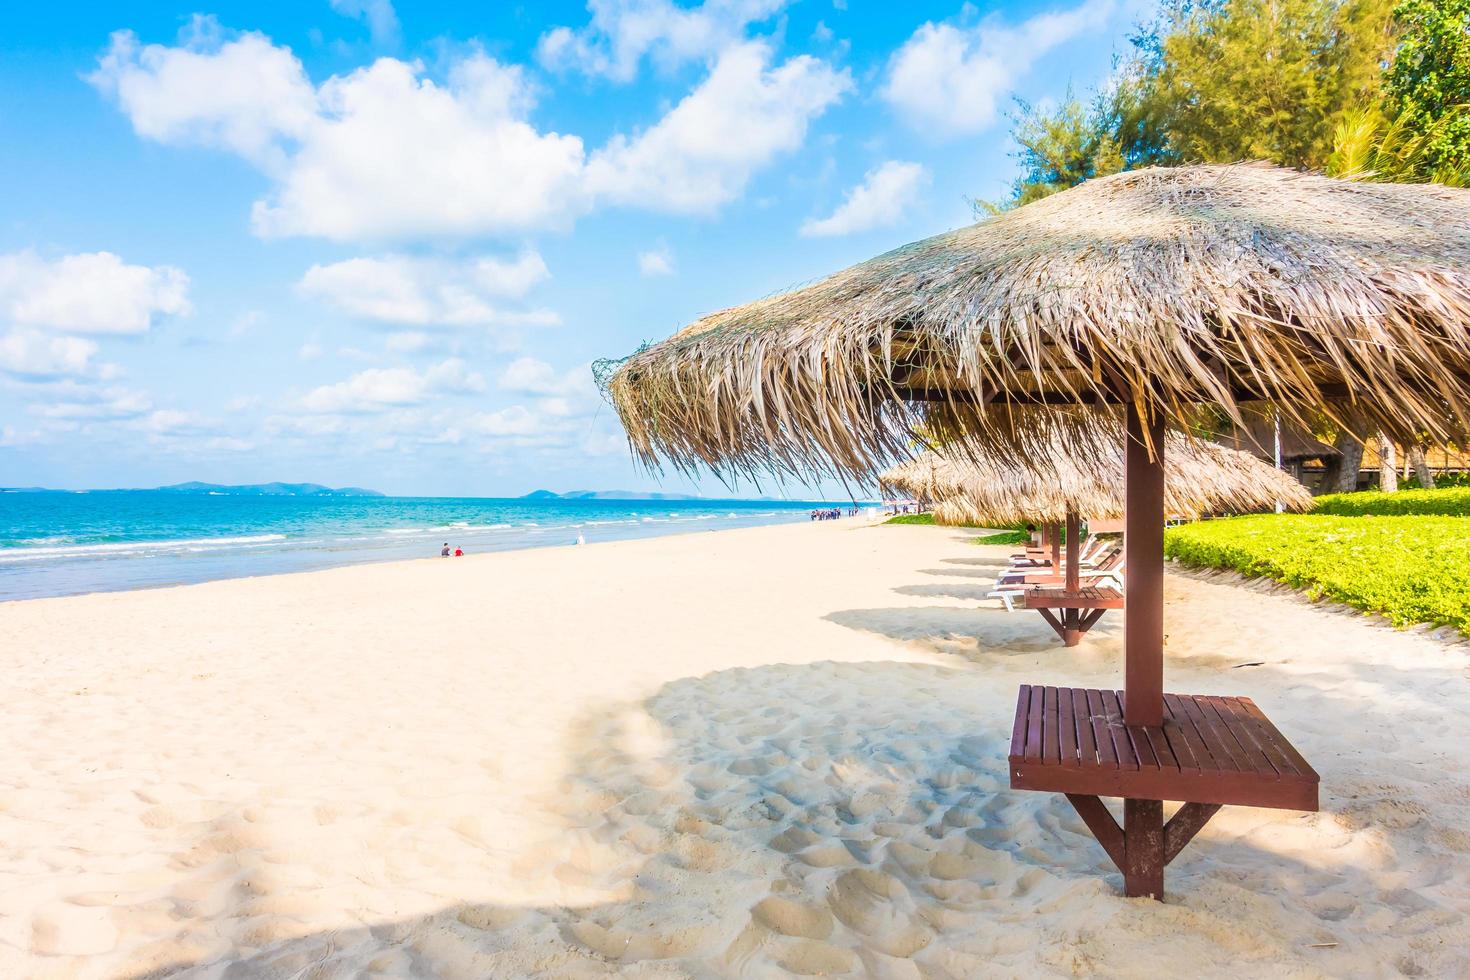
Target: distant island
{"type": "Point", "coordinates": [268, 490]}
{"type": "Point", "coordinates": [222, 490]}
{"type": "Point", "coordinates": [607, 495]}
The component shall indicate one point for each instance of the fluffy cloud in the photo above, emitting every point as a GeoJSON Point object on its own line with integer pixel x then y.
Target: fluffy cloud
{"type": "Point", "coordinates": [245, 94]}
{"type": "Point", "coordinates": [394, 155]}
{"type": "Point", "coordinates": [948, 79]}
{"type": "Point", "coordinates": [622, 32]}
{"type": "Point", "coordinates": [384, 153]}
{"type": "Point", "coordinates": [557, 411]}
{"type": "Point", "coordinates": [31, 355]}
{"type": "Point", "coordinates": [378, 153]}
{"type": "Point", "coordinates": [658, 262]}
{"type": "Point", "coordinates": [68, 400]}
{"type": "Point", "coordinates": [90, 293]}
{"type": "Point", "coordinates": [563, 395]}
{"type": "Point", "coordinates": [379, 389]}
{"type": "Point", "coordinates": [702, 153]}
{"type": "Point", "coordinates": [406, 290]}
{"type": "Point", "coordinates": [379, 16]}
{"type": "Point", "coordinates": [881, 199]}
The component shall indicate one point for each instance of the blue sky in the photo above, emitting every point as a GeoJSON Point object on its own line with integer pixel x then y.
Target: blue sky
{"type": "Point", "coordinates": [376, 243]}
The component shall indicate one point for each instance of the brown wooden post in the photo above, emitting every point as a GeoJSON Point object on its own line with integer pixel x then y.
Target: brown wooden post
{"type": "Point", "coordinates": [1143, 614]}
{"type": "Point", "coordinates": [1056, 546]}
{"type": "Point", "coordinates": [1074, 550]}
{"type": "Point", "coordinates": [1143, 848]}
{"type": "Point", "coordinates": [1143, 641]}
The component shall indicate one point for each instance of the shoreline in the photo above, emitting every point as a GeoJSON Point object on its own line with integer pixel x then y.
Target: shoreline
{"type": "Point", "coordinates": [502, 554]}
{"type": "Point", "coordinates": [170, 565]}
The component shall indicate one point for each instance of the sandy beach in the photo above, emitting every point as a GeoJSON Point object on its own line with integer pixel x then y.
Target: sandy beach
{"type": "Point", "coordinates": [750, 753]}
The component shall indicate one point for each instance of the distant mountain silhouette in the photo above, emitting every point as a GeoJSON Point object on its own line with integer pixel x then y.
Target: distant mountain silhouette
{"type": "Point", "coordinates": [256, 490]}
{"type": "Point", "coordinates": [607, 495]}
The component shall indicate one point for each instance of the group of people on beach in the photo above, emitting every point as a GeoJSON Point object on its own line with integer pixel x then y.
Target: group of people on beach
{"type": "Point", "coordinates": [826, 514]}
{"type": "Point", "coordinates": [445, 552]}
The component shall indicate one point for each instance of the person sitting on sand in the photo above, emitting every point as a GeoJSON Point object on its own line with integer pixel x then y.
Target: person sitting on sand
{"type": "Point", "coordinates": [459, 552]}
{"type": "Point", "coordinates": [444, 553]}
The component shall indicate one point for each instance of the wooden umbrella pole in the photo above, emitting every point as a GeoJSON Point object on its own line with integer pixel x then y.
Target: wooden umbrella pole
{"type": "Point", "coordinates": [1143, 531]}
{"type": "Point", "coordinates": [1056, 546]}
{"type": "Point", "coordinates": [1074, 548]}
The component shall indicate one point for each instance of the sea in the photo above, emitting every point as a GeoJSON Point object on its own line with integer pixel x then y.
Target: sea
{"type": "Point", "coordinates": [63, 543]}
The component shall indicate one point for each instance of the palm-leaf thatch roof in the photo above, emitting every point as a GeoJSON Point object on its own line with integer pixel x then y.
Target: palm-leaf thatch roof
{"type": "Point", "coordinates": [976, 488]}
{"type": "Point", "coordinates": [1165, 287]}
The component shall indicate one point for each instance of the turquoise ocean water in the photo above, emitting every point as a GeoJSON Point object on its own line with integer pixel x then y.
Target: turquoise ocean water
{"type": "Point", "coordinates": [67, 543]}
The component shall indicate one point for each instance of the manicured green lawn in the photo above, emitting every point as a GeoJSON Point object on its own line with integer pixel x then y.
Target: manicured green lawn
{"type": "Point", "coordinates": [1410, 569]}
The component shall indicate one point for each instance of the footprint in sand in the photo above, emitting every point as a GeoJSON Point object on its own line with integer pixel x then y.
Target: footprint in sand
{"type": "Point", "coordinates": [873, 904]}
{"type": "Point", "coordinates": [793, 918]}
{"type": "Point", "coordinates": [67, 929]}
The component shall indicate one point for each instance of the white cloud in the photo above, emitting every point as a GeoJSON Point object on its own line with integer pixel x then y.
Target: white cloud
{"type": "Point", "coordinates": [949, 79]}
{"type": "Point", "coordinates": [378, 389]}
{"type": "Point", "coordinates": [517, 420]}
{"type": "Point", "coordinates": [33, 355]}
{"type": "Point", "coordinates": [406, 290]}
{"type": "Point", "coordinates": [170, 421]}
{"type": "Point", "coordinates": [563, 395]}
{"type": "Point", "coordinates": [658, 262]}
{"type": "Point", "coordinates": [532, 376]}
{"type": "Point", "coordinates": [622, 32]}
{"type": "Point", "coordinates": [244, 93]}
{"type": "Point", "coordinates": [90, 293]}
{"type": "Point", "coordinates": [881, 199]}
{"type": "Point", "coordinates": [384, 153]}
{"type": "Point", "coordinates": [379, 16]}
{"type": "Point", "coordinates": [378, 153]}
{"type": "Point", "coordinates": [703, 152]}
{"type": "Point", "coordinates": [71, 401]}
{"type": "Point", "coordinates": [394, 155]}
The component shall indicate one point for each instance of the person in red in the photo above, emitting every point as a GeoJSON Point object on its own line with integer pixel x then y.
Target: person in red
{"type": "Point", "coordinates": [459, 552]}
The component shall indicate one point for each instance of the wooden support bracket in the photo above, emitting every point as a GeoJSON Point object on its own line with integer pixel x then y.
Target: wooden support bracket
{"type": "Point", "coordinates": [1101, 823]}
{"type": "Point", "coordinates": [1144, 845]}
{"type": "Point", "coordinates": [1182, 827]}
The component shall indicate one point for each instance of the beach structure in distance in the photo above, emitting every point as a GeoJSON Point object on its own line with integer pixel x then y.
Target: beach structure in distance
{"type": "Point", "coordinates": [1055, 490]}
{"type": "Point", "coordinates": [1143, 295]}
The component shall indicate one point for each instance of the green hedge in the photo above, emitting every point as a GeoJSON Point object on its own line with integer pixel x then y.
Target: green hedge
{"type": "Point", "coordinates": [1447, 502]}
{"type": "Point", "coordinates": [1409, 569]}
{"type": "Point", "coordinates": [910, 519]}
{"type": "Point", "coordinates": [1003, 537]}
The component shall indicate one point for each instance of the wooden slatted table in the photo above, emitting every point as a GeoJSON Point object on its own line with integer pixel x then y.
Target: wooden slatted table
{"type": "Point", "coordinates": [1073, 613]}
{"type": "Point", "coordinates": [1209, 752]}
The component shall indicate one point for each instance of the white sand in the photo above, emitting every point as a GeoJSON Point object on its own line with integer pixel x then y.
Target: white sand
{"type": "Point", "coordinates": [742, 753]}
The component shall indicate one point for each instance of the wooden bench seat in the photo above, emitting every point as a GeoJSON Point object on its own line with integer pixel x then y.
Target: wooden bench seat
{"type": "Point", "coordinates": [1217, 750]}
{"type": "Point", "coordinates": [1079, 610]}
{"type": "Point", "coordinates": [1209, 752]}
{"type": "Point", "coordinates": [1087, 597]}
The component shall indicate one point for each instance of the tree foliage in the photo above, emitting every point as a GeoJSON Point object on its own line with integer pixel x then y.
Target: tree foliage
{"type": "Point", "coordinates": [1216, 81]}
{"type": "Point", "coordinates": [1428, 84]}
{"type": "Point", "coordinates": [1401, 150]}
{"type": "Point", "coordinates": [1263, 79]}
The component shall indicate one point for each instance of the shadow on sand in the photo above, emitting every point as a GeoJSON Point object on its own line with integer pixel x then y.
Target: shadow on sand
{"type": "Point", "coordinates": [854, 819]}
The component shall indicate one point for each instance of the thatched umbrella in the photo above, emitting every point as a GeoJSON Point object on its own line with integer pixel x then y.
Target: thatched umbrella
{"type": "Point", "coordinates": [1202, 478]}
{"type": "Point", "coordinates": [1149, 292]}
{"type": "Point", "coordinates": [1164, 288]}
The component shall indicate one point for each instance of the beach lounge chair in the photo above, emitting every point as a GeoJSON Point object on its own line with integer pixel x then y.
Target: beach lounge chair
{"type": "Point", "coordinates": [1110, 561]}
{"type": "Point", "coordinates": [1070, 606]}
